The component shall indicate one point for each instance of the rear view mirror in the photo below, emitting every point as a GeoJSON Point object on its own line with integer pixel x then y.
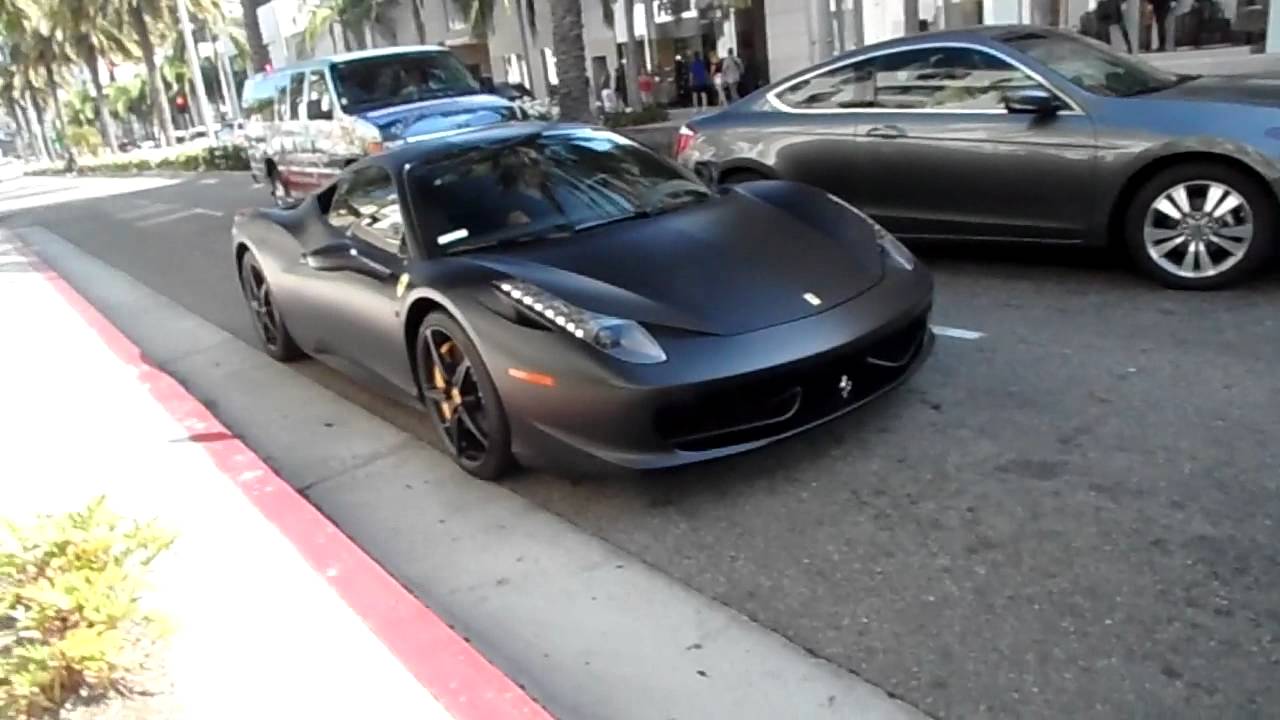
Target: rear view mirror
{"type": "Point", "coordinates": [1031, 101]}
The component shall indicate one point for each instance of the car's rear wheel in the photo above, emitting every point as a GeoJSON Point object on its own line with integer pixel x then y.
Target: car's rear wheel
{"type": "Point", "coordinates": [267, 322]}
{"type": "Point", "coordinates": [462, 399]}
{"type": "Point", "coordinates": [280, 191]}
{"type": "Point", "coordinates": [1201, 226]}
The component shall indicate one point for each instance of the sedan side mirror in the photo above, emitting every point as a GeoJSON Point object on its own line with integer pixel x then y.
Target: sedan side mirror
{"type": "Point", "coordinates": [1031, 101]}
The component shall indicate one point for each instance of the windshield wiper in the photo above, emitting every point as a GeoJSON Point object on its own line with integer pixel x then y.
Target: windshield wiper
{"type": "Point", "coordinates": [548, 232]}
{"type": "Point", "coordinates": [633, 215]}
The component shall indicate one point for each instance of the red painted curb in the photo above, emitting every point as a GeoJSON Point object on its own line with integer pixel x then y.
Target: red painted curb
{"type": "Point", "coordinates": [467, 685]}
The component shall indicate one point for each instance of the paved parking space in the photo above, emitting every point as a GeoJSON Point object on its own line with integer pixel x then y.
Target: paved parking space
{"type": "Point", "coordinates": [1071, 515]}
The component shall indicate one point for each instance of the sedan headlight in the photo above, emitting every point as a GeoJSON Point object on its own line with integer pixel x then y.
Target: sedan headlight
{"type": "Point", "coordinates": [890, 244]}
{"type": "Point", "coordinates": [626, 340]}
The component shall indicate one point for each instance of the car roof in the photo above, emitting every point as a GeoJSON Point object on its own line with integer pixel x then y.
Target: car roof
{"type": "Point", "coordinates": [358, 55]}
{"type": "Point", "coordinates": [453, 141]}
{"type": "Point", "coordinates": [981, 34]}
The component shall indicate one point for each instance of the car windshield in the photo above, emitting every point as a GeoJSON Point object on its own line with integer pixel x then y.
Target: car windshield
{"type": "Point", "coordinates": [1092, 66]}
{"type": "Point", "coordinates": [376, 82]}
{"type": "Point", "coordinates": [544, 186]}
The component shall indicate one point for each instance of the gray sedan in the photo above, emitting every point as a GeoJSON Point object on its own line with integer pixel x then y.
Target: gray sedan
{"type": "Point", "coordinates": [1022, 133]}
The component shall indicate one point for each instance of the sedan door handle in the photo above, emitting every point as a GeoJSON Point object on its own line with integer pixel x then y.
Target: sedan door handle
{"type": "Point", "coordinates": [887, 131]}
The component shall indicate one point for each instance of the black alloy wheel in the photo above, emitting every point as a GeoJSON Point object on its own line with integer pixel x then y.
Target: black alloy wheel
{"type": "Point", "coordinates": [267, 322]}
{"type": "Point", "coordinates": [462, 399]}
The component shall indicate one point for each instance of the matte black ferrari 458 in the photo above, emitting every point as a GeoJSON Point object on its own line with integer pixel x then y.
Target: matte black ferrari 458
{"type": "Point", "coordinates": [559, 294]}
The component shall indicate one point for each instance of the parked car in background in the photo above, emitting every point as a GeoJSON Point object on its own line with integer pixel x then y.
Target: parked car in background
{"type": "Point", "coordinates": [1022, 133]}
{"type": "Point", "coordinates": [11, 168]}
{"type": "Point", "coordinates": [231, 133]}
{"type": "Point", "coordinates": [306, 122]}
{"type": "Point", "coordinates": [523, 97]}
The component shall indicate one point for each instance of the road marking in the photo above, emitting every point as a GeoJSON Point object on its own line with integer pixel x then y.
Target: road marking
{"type": "Point", "coordinates": [146, 209]}
{"type": "Point", "coordinates": [209, 181]}
{"type": "Point", "coordinates": [178, 215]}
{"type": "Point", "coordinates": [958, 333]}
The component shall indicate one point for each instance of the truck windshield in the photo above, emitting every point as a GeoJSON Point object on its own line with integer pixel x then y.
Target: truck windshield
{"type": "Point", "coordinates": [381, 81]}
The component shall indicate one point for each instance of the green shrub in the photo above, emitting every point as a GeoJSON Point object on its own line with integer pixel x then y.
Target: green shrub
{"type": "Point", "coordinates": [84, 138]}
{"type": "Point", "coordinates": [217, 157]}
{"type": "Point", "coordinates": [647, 116]}
{"type": "Point", "coordinates": [70, 587]}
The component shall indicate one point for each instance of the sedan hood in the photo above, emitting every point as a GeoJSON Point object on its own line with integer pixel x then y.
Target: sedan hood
{"type": "Point", "coordinates": [730, 265]}
{"type": "Point", "coordinates": [400, 122]}
{"type": "Point", "coordinates": [1238, 89]}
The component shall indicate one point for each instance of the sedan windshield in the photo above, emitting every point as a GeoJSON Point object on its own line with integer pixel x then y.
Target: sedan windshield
{"type": "Point", "coordinates": [381, 81]}
{"type": "Point", "coordinates": [547, 185]}
{"type": "Point", "coordinates": [1092, 66]}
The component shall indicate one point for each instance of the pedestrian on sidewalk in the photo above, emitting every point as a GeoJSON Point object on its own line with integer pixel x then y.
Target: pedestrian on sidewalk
{"type": "Point", "coordinates": [645, 84]}
{"type": "Point", "coordinates": [699, 81]}
{"type": "Point", "coordinates": [731, 72]}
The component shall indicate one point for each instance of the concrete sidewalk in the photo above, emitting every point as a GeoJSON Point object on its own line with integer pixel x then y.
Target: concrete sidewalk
{"type": "Point", "coordinates": [259, 585]}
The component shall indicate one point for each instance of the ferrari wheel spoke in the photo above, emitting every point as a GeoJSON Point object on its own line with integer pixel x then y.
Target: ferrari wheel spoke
{"type": "Point", "coordinates": [434, 394]}
{"type": "Point", "coordinates": [460, 373]}
{"type": "Point", "coordinates": [452, 429]}
{"type": "Point", "coordinates": [472, 426]}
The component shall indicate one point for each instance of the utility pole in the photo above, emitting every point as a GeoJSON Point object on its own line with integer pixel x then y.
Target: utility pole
{"type": "Point", "coordinates": [229, 77]}
{"type": "Point", "coordinates": [911, 17]}
{"type": "Point", "coordinates": [193, 64]}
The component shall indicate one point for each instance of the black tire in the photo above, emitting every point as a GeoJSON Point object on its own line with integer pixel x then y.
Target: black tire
{"type": "Point", "coordinates": [469, 425]}
{"type": "Point", "coordinates": [267, 321]}
{"type": "Point", "coordinates": [279, 191]}
{"type": "Point", "coordinates": [737, 177]}
{"type": "Point", "coordinates": [1259, 207]}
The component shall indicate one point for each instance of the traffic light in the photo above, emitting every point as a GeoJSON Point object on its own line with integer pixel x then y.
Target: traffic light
{"type": "Point", "coordinates": [181, 102]}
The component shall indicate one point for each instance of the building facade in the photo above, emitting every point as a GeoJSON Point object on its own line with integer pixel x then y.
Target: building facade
{"type": "Point", "coordinates": [773, 37]}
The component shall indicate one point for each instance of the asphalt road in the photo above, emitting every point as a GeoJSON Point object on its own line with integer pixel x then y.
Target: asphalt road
{"type": "Point", "coordinates": [1072, 516]}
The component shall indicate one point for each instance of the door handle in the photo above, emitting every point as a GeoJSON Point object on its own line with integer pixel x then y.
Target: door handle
{"type": "Point", "coordinates": [887, 131]}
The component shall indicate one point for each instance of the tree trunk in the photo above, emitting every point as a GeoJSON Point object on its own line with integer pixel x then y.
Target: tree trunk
{"type": "Point", "coordinates": [46, 148]}
{"type": "Point", "coordinates": [333, 36]}
{"type": "Point", "coordinates": [524, 43]}
{"type": "Point", "coordinates": [26, 146]}
{"type": "Point", "coordinates": [159, 103]}
{"type": "Point", "coordinates": [57, 103]}
{"type": "Point", "coordinates": [419, 26]}
{"type": "Point", "coordinates": [632, 72]}
{"type": "Point", "coordinates": [574, 91]}
{"type": "Point", "coordinates": [105, 124]}
{"type": "Point", "coordinates": [259, 56]}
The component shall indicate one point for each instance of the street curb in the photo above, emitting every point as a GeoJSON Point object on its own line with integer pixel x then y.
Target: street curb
{"type": "Point", "coordinates": [585, 629]}
{"type": "Point", "coordinates": [460, 679]}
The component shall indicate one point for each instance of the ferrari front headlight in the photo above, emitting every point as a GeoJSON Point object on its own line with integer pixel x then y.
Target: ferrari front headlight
{"type": "Point", "coordinates": [624, 339]}
{"type": "Point", "coordinates": [888, 243]}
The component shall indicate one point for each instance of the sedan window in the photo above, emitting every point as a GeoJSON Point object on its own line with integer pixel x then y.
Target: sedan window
{"type": "Point", "coordinates": [930, 78]}
{"type": "Point", "coordinates": [1090, 65]}
{"type": "Point", "coordinates": [366, 205]}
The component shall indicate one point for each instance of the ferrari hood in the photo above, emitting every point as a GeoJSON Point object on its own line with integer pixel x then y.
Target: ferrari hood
{"type": "Point", "coordinates": [400, 122]}
{"type": "Point", "coordinates": [729, 265]}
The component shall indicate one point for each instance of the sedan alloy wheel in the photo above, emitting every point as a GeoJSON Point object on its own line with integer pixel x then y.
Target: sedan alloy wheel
{"type": "Point", "coordinates": [1198, 229]}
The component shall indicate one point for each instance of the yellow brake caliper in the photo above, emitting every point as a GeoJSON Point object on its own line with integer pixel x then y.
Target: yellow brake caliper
{"type": "Point", "coordinates": [437, 377]}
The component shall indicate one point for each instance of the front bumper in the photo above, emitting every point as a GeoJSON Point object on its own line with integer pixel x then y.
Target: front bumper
{"type": "Point", "coordinates": [716, 395]}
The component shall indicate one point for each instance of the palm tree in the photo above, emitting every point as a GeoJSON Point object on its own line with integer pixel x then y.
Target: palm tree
{"type": "Point", "coordinates": [144, 15]}
{"type": "Point", "coordinates": [259, 57]}
{"type": "Point", "coordinates": [354, 16]}
{"type": "Point", "coordinates": [94, 35]}
{"type": "Point", "coordinates": [574, 90]}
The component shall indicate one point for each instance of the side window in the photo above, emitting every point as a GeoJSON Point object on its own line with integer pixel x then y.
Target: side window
{"type": "Point", "coordinates": [319, 103]}
{"type": "Point", "coordinates": [366, 205]}
{"type": "Point", "coordinates": [282, 97]}
{"type": "Point", "coordinates": [945, 78]}
{"type": "Point", "coordinates": [844, 86]}
{"type": "Point", "coordinates": [941, 78]}
{"type": "Point", "coordinates": [298, 111]}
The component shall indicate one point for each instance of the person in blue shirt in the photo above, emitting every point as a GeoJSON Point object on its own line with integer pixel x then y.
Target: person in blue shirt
{"type": "Point", "coordinates": [699, 81]}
